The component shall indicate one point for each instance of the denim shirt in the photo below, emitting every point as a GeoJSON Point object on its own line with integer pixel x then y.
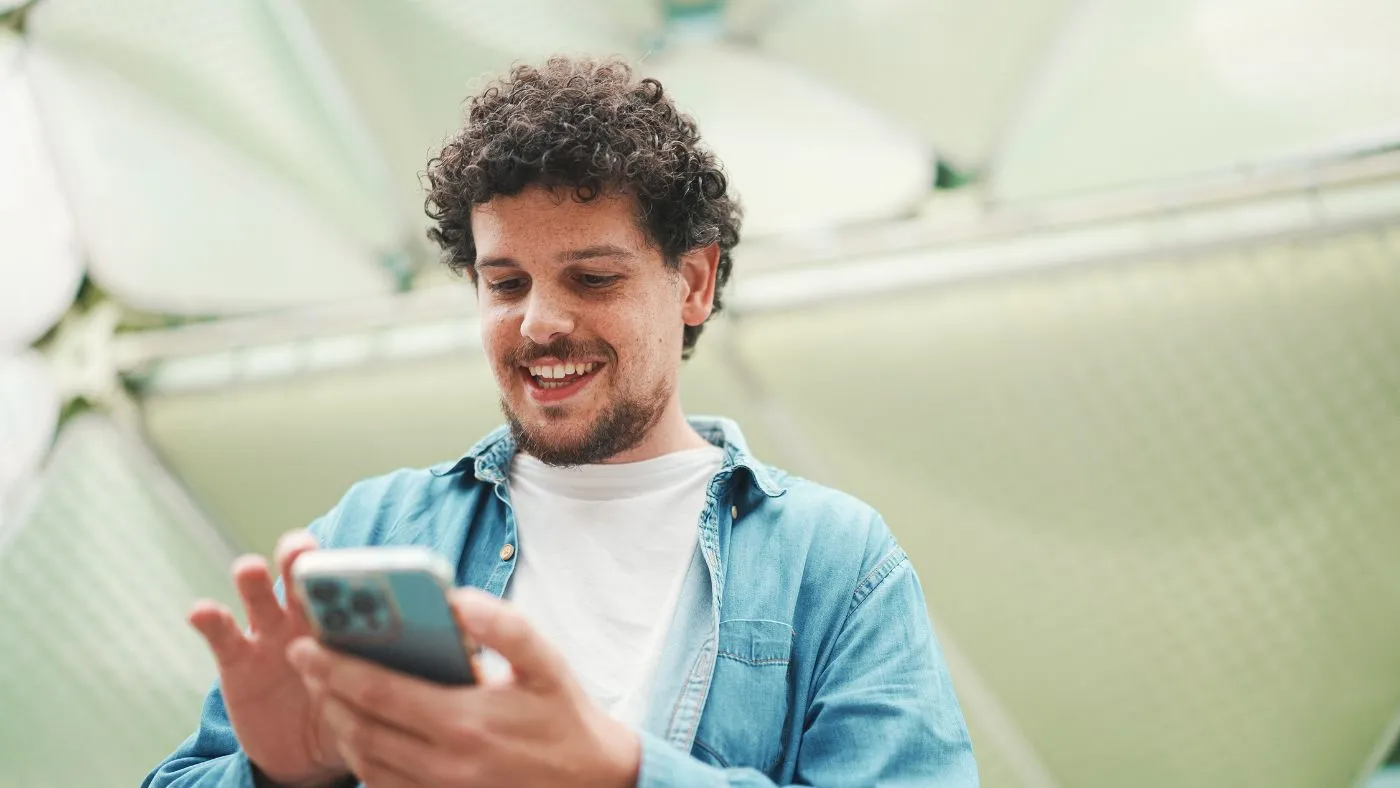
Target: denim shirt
{"type": "Point", "coordinates": [800, 651]}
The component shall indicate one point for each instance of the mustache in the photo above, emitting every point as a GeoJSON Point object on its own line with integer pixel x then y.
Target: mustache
{"type": "Point", "coordinates": [562, 348]}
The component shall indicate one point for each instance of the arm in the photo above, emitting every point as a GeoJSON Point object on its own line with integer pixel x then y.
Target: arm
{"type": "Point", "coordinates": [883, 711]}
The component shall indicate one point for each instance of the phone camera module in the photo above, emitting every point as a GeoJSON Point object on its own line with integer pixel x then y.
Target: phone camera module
{"type": "Point", "coordinates": [335, 620]}
{"type": "Point", "coordinates": [364, 602]}
{"type": "Point", "coordinates": [325, 591]}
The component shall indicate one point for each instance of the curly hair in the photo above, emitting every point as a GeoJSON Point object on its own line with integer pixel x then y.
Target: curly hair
{"type": "Point", "coordinates": [588, 126]}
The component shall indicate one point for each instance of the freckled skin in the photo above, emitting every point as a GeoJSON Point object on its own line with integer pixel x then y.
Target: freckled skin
{"type": "Point", "coordinates": [552, 270]}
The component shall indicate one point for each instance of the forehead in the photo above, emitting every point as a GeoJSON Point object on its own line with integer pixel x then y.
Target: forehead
{"type": "Point", "coordinates": [540, 221]}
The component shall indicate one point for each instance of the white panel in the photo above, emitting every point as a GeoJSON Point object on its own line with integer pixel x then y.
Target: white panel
{"type": "Point", "coordinates": [952, 70]}
{"type": "Point", "coordinates": [40, 264]}
{"type": "Point", "coordinates": [1153, 504]}
{"type": "Point", "coordinates": [531, 28]}
{"type": "Point", "coordinates": [244, 74]}
{"type": "Point", "coordinates": [1145, 92]}
{"type": "Point", "coordinates": [95, 581]}
{"type": "Point", "coordinates": [29, 408]}
{"type": "Point", "coordinates": [174, 220]}
{"type": "Point", "coordinates": [800, 155]}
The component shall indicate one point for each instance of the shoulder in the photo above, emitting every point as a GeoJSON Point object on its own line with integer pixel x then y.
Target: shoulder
{"type": "Point", "coordinates": [827, 513]}
{"type": "Point", "coordinates": [373, 507]}
{"type": "Point", "coordinates": [843, 540]}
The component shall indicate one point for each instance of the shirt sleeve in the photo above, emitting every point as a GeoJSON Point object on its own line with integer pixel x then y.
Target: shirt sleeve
{"type": "Point", "coordinates": [210, 758]}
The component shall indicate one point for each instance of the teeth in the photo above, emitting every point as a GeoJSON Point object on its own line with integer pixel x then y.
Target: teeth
{"type": "Point", "coordinates": [561, 370]}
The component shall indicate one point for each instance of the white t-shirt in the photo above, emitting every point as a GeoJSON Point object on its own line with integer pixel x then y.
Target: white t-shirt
{"type": "Point", "coordinates": [602, 553]}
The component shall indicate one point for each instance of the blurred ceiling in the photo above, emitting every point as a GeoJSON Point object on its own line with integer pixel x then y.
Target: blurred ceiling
{"type": "Point", "coordinates": [1204, 585]}
{"type": "Point", "coordinates": [203, 159]}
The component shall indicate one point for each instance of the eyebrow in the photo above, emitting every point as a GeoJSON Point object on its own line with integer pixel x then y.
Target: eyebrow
{"type": "Point", "coordinates": [593, 252]}
{"type": "Point", "coordinates": [570, 256]}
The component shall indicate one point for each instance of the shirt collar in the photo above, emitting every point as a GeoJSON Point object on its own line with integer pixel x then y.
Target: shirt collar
{"type": "Point", "coordinates": [490, 458]}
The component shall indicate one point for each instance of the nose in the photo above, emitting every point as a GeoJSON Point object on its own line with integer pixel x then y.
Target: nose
{"type": "Point", "coordinates": [547, 317]}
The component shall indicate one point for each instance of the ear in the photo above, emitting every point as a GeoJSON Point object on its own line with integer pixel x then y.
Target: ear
{"type": "Point", "coordinates": [697, 271]}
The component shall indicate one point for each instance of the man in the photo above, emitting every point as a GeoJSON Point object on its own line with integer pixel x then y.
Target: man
{"type": "Point", "coordinates": [676, 613]}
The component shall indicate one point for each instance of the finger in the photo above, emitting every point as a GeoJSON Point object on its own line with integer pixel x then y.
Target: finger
{"type": "Point", "coordinates": [490, 622]}
{"type": "Point", "coordinates": [220, 631]}
{"type": "Point", "coordinates": [289, 546]}
{"type": "Point", "coordinates": [379, 755]}
{"type": "Point", "coordinates": [411, 704]}
{"type": "Point", "coordinates": [254, 586]}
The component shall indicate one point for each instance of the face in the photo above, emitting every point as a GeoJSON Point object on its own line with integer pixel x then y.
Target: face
{"type": "Point", "coordinates": [582, 321]}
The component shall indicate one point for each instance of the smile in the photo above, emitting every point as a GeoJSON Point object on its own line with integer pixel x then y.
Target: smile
{"type": "Point", "coordinates": [554, 383]}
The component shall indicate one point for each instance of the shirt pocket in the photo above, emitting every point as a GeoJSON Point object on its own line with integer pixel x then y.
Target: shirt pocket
{"type": "Point", "coordinates": [746, 713]}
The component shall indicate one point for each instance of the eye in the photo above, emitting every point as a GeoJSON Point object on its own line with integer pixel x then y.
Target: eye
{"type": "Point", "coordinates": [506, 286]}
{"type": "Point", "coordinates": [596, 281]}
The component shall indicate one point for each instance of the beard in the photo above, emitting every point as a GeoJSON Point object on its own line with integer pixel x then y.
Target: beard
{"type": "Point", "coordinates": [622, 426]}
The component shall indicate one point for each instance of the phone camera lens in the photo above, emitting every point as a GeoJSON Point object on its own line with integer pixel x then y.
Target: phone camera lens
{"type": "Point", "coordinates": [335, 620]}
{"type": "Point", "coordinates": [325, 591]}
{"type": "Point", "coordinates": [363, 602]}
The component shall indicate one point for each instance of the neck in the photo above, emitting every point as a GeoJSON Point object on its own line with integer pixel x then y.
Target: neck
{"type": "Point", "coordinates": [670, 433]}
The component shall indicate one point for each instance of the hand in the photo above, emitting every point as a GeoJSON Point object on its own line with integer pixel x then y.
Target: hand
{"type": "Point", "coordinates": [535, 727]}
{"type": "Point", "coordinates": [276, 720]}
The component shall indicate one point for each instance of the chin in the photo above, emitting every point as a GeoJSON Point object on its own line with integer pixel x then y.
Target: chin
{"type": "Point", "coordinates": [552, 427]}
{"type": "Point", "coordinates": [556, 428]}
{"type": "Point", "coordinates": [576, 434]}
{"type": "Point", "coordinates": [572, 418]}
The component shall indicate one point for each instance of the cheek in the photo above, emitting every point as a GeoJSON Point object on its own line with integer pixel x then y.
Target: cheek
{"type": "Point", "coordinates": [499, 321]}
{"type": "Point", "coordinates": [650, 348]}
{"type": "Point", "coordinates": [497, 337]}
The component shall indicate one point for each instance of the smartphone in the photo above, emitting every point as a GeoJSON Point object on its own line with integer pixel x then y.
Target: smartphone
{"type": "Point", "coordinates": [387, 605]}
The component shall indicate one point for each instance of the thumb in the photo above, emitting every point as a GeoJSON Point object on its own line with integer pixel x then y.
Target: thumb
{"type": "Point", "coordinates": [495, 624]}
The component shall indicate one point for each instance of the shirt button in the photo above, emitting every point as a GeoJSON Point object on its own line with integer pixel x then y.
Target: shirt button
{"type": "Point", "coordinates": [507, 551]}
{"type": "Point", "coordinates": [733, 512]}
